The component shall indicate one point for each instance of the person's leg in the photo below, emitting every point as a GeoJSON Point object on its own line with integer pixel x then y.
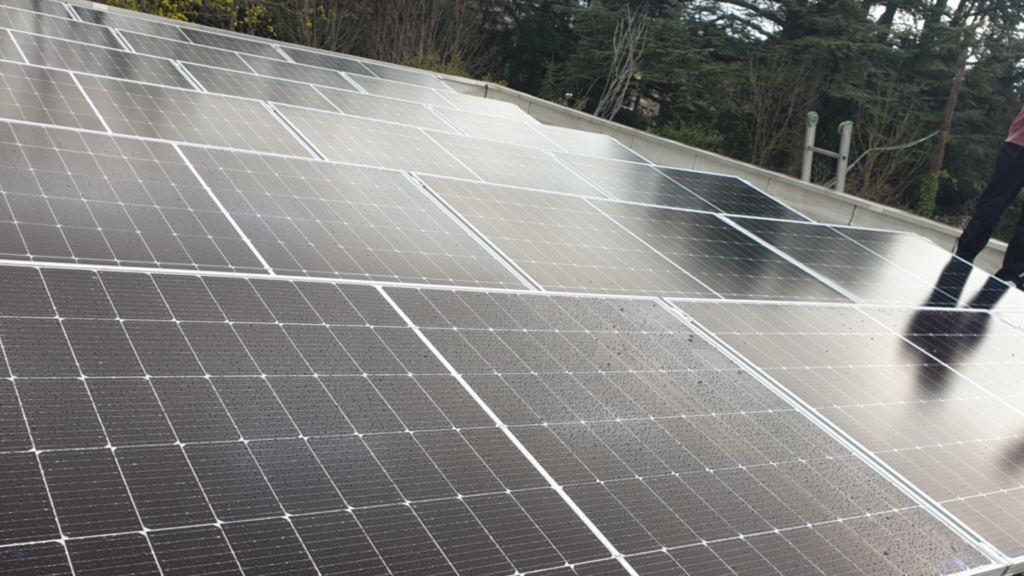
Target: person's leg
{"type": "Point", "coordinates": [1013, 262]}
{"type": "Point", "coordinates": [1006, 182]}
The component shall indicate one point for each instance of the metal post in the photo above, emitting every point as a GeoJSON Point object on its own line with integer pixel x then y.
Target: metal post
{"type": "Point", "coordinates": [846, 133]}
{"type": "Point", "coordinates": [812, 126]}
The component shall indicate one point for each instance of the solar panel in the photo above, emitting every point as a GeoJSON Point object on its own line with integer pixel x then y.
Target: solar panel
{"type": "Point", "coordinates": [588, 143]}
{"type": "Point", "coordinates": [78, 57]}
{"type": "Point", "coordinates": [500, 163]}
{"type": "Point", "coordinates": [400, 91]}
{"type": "Point", "coordinates": [63, 27]}
{"type": "Point", "coordinates": [321, 219]}
{"type": "Point", "coordinates": [731, 195]}
{"type": "Point", "coordinates": [489, 107]}
{"type": "Point", "coordinates": [850, 266]}
{"type": "Point", "coordinates": [44, 6]}
{"type": "Point", "coordinates": [386, 109]}
{"type": "Point", "coordinates": [235, 42]}
{"type": "Point", "coordinates": [720, 256]}
{"type": "Point", "coordinates": [221, 81]}
{"type": "Point", "coordinates": [564, 243]}
{"type": "Point", "coordinates": [497, 128]}
{"type": "Point", "coordinates": [326, 60]}
{"type": "Point", "coordinates": [406, 76]}
{"type": "Point", "coordinates": [915, 388]}
{"type": "Point", "coordinates": [8, 49]}
{"type": "Point", "coordinates": [297, 72]}
{"type": "Point", "coordinates": [101, 200]}
{"type": "Point", "coordinates": [45, 96]}
{"type": "Point", "coordinates": [153, 27]}
{"type": "Point", "coordinates": [185, 51]}
{"type": "Point", "coordinates": [634, 182]}
{"type": "Point", "coordinates": [365, 142]}
{"type": "Point", "coordinates": [187, 116]}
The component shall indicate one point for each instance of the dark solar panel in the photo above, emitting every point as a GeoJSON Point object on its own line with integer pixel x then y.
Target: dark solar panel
{"type": "Point", "coordinates": [565, 243]}
{"type": "Point", "coordinates": [95, 199]}
{"type": "Point", "coordinates": [298, 72]}
{"type": "Point", "coordinates": [320, 219]}
{"type": "Point", "coordinates": [729, 195]}
{"type": "Point", "coordinates": [500, 163]}
{"type": "Point", "coordinates": [62, 27]}
{"type": "Point", "coordinates": [154, 27]}
{"type": "Point", "coordinates": [915, 389]}
{"type": "Point", "coordinates": [185, 52]}
{"type": "Point", "coordinates": [259, 87]}
{"type": "Point", "coordinates": [634, 182]}
{"type": "Point", "coordinates": [187, 116]}
{"type": "Point", "coordinates": [720, 256]}
{"type": "Point", "coordinates": [45, 96]}
{"type": "Point", "coordinates": [365, 142]}
{"type": "Point", "coordinates": [77, 57]}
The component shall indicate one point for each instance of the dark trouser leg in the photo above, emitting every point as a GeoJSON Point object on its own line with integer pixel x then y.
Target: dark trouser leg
{"type": "Point", "coordinates": [1000, 192]}
{"type": "Point", "coordinates": [1013, 262]}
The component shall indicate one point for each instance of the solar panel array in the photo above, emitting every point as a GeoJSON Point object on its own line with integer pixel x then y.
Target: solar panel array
{"type": "Point", "coordinates": [272, 310]}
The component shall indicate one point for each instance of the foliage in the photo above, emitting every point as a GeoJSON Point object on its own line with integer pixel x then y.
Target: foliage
{"type": "Point", "coordinates": [930, 192]}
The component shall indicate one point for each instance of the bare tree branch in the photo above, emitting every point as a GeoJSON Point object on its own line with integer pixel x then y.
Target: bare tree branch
{"type": "Point", "coordinates": [628, 46]}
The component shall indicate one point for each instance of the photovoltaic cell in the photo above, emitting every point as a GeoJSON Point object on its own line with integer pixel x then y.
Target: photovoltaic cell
{"type": "Point", "coordinates": [720, 256]}
{"type": "Point", "coordinates": [153, 27]}
{"type": "Point", "coordinates": [588, 143]}
{"type": "Point", "coordinates": [729, 195]}
{"type": "Point", "coordinates": [914, 388]}
{"type": "Point", "coordinates": [674, 450]}
{"type": "Point", "coordinates": [65, 28]}
{"type": "Point", "coordinates": [307, 498]}
{"type": "Point", "coordinates": [326, 60]}
{"type": "Point", "coordinates": [237, 43]}
{"type": "Point", "coordinates": [565, 243]}
{"type": "Point", "coordinates": [95, 199]}
{"type": "Point", "coordinates": [634, 182]}
{"type": "Point", "coordinates": [187, 116]}
{"type": "Point", "coordinates": [298, 72]}
{"type": "Point", "coordinates": [405, 76]}
{"type": "Point", "coordinates": [386, 109]}
{"type": "Point", "coordinates": [497, 128]}
{"type": "Point", "coordinates": [369, 143]}
{"type": "Point", "coordinates": [8, 49]}
{"type": "Point", "coordinates": [77, 57]}
{"type": "Point", "coordinates": [400, 91]}
{"type": "Point", "coordinates": [44, 6]}
{"type": "Point", "coordinates": [185, 51]}
{"type": "Point", "coordinates": [489, 107]}
{"type": "Point", "coordinates": [259, 87]}
{"type": "Point", "coordinates": [321, 219]}
{"type": "Point", "coordinates": [45, 96]}
{"type": "Point", "coordinates": [849, 265]}
{"type": "Point", "coordinates": [500, 163]}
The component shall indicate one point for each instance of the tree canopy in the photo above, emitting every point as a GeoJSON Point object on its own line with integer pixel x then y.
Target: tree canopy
{"type": "Point", "coordinates": [731, 76]}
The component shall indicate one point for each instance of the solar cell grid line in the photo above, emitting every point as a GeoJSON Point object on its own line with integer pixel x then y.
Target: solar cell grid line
{"type": "Point", "coordinates": [667, 445]}
{"type": "Point", "coordinates": [731, 195]}
{"type": "Point", "coordinates": [104, 200]}
{"type": "Point", "coordinates": [57, 27]}
{"type": "Point", "coordinates": [298, 72]}
{"type": "Point", "coordinates": [45, 96]}
{"type": "Point", "coordinates": [234, 42]}
{"type": "Point", "coordinates": [366, 142]}
{"type": "Point", "coordinates": [329, 60]}
{"type": "Point", "coordinates": [323, 219]}
{"type": "Point", "coordinates": [491, 107]}
{"type": "Point", "coordinates": [632, 182]}
{"type": "Point", "coordinates": [163, 27]}
{"type": "Point", "coordinates": [510, 165]}
{"type": "Point", "coordinates": [400, 91]}
{"type": "Point", "coordinates": [386, 109]}
{"type": "Point", "coordinates": [849, 265]}
{"type": "Point", "coordinates": [498, 129]}
{"type": "Point", "coordinates": [245, 85]}
{"type": "Point", "coordinates": [189, 117]}
{"type": "Point", "coordinates": [949, 432]}
{"type": "Point", "coordinates": [563, 243]}
{"type": "Point", "coordinates": [589, 143]}
{"type": "Point", "coordinates": [9, 50]}
{"type": "Point", "coordinates": [44, 6]}
{"type": "Point", "coordinates": [100, 61]}
{"type": "Point", "coordinates": [720, 256]}
{"type": "Point", "coordinates": [406, 76]}
{"type": "Point", "coordinates": [185, 52]}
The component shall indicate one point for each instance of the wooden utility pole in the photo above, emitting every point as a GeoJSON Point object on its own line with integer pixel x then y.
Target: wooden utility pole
{"type": "Point", "coordinates": [947, 123]}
